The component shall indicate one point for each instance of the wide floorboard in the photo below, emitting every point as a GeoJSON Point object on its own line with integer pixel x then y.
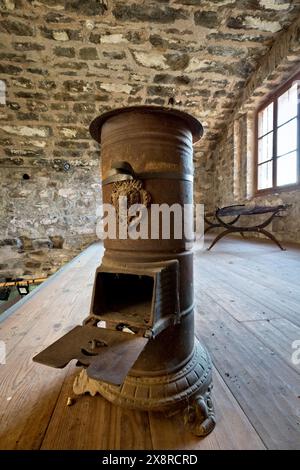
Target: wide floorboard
{"type": "Point", "coordinates": [247, 314]}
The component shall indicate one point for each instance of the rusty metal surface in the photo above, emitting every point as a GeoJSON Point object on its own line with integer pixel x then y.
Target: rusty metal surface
{"type": "Point", "coordinates": [107, 354]}
{"type": "Point", "coordinates": [193, 124]}
{"type": "Point", "coordinates": [113, 365]}
{"type": "Point", "coordinates": [145, 294]}
{"type": "Point", "coordinates": [144, 285]}
{"type": "Point", "coordinates": [151, 145]}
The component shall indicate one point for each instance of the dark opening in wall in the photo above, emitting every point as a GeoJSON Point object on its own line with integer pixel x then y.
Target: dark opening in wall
{"type": "Point", "coordinates": [26, 176]}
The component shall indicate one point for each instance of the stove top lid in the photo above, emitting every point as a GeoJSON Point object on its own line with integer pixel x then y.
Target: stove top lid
{"type": "Point", "coordinates": [193, 124]}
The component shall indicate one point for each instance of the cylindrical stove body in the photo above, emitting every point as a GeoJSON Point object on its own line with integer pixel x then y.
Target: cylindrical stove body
{"type": "Point", "coordinates": [147, 156]}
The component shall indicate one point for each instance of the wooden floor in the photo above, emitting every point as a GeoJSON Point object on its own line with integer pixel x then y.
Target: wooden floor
{"type": "Point", "coordinates": [247, 314]}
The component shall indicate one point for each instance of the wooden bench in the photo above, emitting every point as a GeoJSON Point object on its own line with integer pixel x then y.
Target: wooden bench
{"type": "Point", "coordinates": [216, 220]}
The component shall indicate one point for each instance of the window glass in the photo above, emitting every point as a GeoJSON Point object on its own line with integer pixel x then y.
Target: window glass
{"type": "Point", "coordinates": [287, 169]}
{"type": "Point", "coordinates": [287, 138]}
{"type": "Point", "coordinates": [278, 139]}
{"type": "Point", "coordinates": [265, 175]}
{"type": "Point", "coordinates": [287, 105]}
{"type": "Point", "coordinates": [265, 120]}
{"type": "Point", "coordinates": [265, 148]}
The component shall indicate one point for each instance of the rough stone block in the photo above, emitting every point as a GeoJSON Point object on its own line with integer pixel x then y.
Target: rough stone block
{"type": "Point", "coordinates": [24, 243]}
{"type": "Point", "coordinates": [57, 241]}
{"type": "Point", "coordinates": [88, 53]}
{"type": "Point", "coordinates": [29, 131]}
{"type": "Point", "coordinates": [207, 19]}
{"type": "Point", "coordinates": [64, 51]}
{"type": "Point", "coordinates": [28, 46]}
{"type": "Point", "coordinates": [154, 13]}
{"type": "Point", "coordinates": [17, 28]}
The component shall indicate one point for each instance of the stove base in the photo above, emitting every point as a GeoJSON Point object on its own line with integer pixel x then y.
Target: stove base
{"type": "Point", "coordinates": [189, 388]}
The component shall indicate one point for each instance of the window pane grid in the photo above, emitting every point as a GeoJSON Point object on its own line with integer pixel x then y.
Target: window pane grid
{"type": "Point", "coordinates": [287, 137]}
{"type": "Point", "coordinates": [265, 120]}
{"type": "Point", "coordinates": [278, 152]}
{"type": "Point", "coordinates": [280, 156]}
{"type": "Point", "coordinates": [267, 161]}
{"type": "Point", "coordinates": [287, 169]}
{"type": "Point", "coordinates": [286, 122]}
{"type": "Point", "coordinates": [265, 148]}
{"type": "Point", "coordinates": [287, 104]}
{"type": "Point", "coordinates": [265, 175]}
{"type": "Point", "coordinates": [264, 135]}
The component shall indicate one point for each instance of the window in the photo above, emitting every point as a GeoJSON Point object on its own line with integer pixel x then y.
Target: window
{"type": "Point", "coordinates": [278, 139]}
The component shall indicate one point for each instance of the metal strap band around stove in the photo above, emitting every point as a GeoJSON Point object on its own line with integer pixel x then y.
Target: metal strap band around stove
{"type": "Point", "coordinates": [148, 175]}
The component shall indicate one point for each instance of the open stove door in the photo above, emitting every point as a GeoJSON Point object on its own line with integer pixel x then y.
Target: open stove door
{"type": "Point", "coordinates": [107, 354]}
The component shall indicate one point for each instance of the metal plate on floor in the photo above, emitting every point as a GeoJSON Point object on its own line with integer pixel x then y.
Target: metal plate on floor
{"type": "Point", "coordinates": [108, 354]}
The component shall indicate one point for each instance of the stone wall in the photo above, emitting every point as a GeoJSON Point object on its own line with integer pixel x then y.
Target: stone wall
{"type": "Point", "coordinates": [50, 183]}
{"type": "Point", "coordinates": [64, 62]}
{"type": "Point", "coordinates": [232, 178]}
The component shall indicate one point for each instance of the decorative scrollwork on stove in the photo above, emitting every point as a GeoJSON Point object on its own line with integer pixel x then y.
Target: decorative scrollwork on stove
{"type": "Point", "coordinates": [134, 193]}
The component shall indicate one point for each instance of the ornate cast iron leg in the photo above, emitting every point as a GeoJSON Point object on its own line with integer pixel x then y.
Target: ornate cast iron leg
{"type": "Point", "coordinates": [229, 226]}
{"type": "Point", "coordinates": [168, 393]}
{"type": "Point", "coordinates": [221, 235]}
{"type": "Point", "coordinates": [256, 229]}
{"type": "Point", "coordinates": [210, 227]}
{"type": "Point", "coordinates": [199, 416]}
{"type": "Point", "coordinates": [271, 236]}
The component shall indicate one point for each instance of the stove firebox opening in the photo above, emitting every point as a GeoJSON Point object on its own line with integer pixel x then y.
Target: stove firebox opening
{"type": "Point", "coordinates": [124, 298]}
